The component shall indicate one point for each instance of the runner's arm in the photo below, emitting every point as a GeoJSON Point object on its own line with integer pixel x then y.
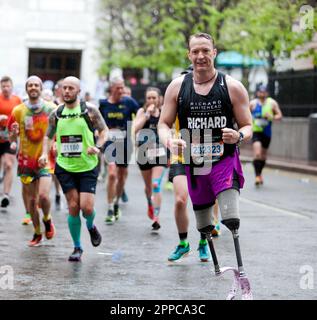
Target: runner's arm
{"type": "Point", "coordinates": [50, 133]}
{"type": "Point", "coordinates": [276, 110]}
{"type": "Point", "coordinates": [13, 128]}
{"type": "Point", "coordinates": [99, 124]}
{"type": "Point", "coordinates": [241, 109]}
{"type": "Point", "coordinates": [140, 120]}
{"type": "Point", "coordinates": [169, 111]}
{"type": "Point", "coordinates": [48, 139]}
{"type": "Point", "coordinates": [252, 105]}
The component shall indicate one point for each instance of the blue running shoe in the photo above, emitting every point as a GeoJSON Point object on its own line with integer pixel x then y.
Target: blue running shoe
{"type": "Point", "coordinates": [179, 253]}
{"type": "Point", "coordinates": [124, 197]}
{"type": "Point", "coordinates": [204, 254]}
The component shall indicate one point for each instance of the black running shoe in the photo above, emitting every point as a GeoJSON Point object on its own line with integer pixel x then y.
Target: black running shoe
{"type": "Point", "coordinates": [5, 201]}
{"type": "Point", "coordinates": [156, 225]}
{"type": "Point", "coordinates": [95, 236]}
{"type": "Point", "coordinates": [117, 212]}
{"type": "Point", "coordinates": [76, 255]}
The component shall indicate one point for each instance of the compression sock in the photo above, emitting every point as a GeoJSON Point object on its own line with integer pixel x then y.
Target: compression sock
{"type": "Point", "coordinates": [74, 224]}
{"type": "Point", "coordinates": [262, 166]}
{"type": "Point", "coordinates": [90, 219]}
{"type": "Point", "coordinates": [257, 167]}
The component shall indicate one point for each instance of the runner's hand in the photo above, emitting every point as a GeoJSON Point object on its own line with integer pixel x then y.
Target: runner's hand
{"type": "Point", "coordinates": [176, 146]}
{"type": "Point", "coordinates": [268, 116]}
{"type": "Point", "coordinates": [151, 109]}
{"type": "Point", "coordinates": [92, 150]}
{"type": "Point", "coordinates": [15, 128]}
{"type": "Point", "coordinates": [43, 160]}
{"type": "Point", "coordinates": [230, 136]}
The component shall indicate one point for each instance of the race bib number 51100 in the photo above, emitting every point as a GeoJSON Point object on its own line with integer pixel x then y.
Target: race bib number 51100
{"type": "Point", "coordinates": [71, 146]}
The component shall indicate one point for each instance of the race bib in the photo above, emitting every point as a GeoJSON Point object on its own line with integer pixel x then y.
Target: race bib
{"type": "Point", "coordinates": [156, 152]}
{"type": "Point", "coordinates": [261, 122]}
{"type": "Point", "coordinates": [71, 146]}
{"type": "Point", "coordinates": [207, 151]}
{"type": "Point", "coordinates": [116, 134]}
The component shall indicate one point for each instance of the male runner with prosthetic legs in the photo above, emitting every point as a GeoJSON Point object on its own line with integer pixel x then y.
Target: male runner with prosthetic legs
{"type": "Point", "coordinates": [208, 105]}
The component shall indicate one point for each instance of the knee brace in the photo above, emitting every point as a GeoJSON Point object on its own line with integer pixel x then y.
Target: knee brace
{"type": "Point", "coordinates": [156, 185]}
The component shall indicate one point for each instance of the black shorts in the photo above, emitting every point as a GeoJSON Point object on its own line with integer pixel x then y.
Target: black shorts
{"type": "Point", "coordinates": [81, 181]}
{"type": "Point", "coordinates": [5, 148]}
{"type": "Point", "coordinates": [176, 169]}
{"type": "Point", "coordinates": [265, 140]}
{"type": "Point", "coordinates": [149, 166]}
{"type": "Point", "coordinates": [118, 152]}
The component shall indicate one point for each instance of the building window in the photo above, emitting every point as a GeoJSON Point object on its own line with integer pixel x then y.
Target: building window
{"type": "Point", "coordinates": [54, 64]}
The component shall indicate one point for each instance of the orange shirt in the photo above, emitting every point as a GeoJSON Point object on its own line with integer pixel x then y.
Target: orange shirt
{"type": "Point", "coordinates": [6, 107]}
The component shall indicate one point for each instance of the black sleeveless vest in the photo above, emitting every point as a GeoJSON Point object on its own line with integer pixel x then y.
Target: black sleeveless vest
{"type": "Point", "coordinates": [200, 112]}
{"type": "Point", "coordinates": [151, 124]}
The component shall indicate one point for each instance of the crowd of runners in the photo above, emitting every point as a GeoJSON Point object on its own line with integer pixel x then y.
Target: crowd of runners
{"type": "Point", "coordinates": [191, 135]}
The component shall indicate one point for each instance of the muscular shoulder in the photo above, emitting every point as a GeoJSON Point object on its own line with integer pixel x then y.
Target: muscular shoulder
{"type": "Point", "coordinates": [91, 107]}
{"type": "Point", "coordinates": [236, 88]}
{"type": "Point", "coordinates": [174, 87]}
{"type": "Point", "coordinates": [95, 116]}
{"type": "Point", "coordinates": [177, 82]}
{"type": "Point", "coordinates": [234, 84]}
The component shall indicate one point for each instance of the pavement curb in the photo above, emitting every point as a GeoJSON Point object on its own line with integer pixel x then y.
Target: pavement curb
{"type": "Point", "coordinates": [287, 166]}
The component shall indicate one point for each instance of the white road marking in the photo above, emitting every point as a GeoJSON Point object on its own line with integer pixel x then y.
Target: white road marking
{"type": "Point", "coordinates": [266, 206]}
{"type": "Point", "coordinates": [105, 253]}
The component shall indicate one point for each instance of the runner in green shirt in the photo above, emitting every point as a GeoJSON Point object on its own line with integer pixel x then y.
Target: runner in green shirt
{"type": "Point", "coordinates": [76, 125]}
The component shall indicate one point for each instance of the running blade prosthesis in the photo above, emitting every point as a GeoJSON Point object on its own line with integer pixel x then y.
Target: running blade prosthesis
{"type": "Point", "coordinates": [240, 280]}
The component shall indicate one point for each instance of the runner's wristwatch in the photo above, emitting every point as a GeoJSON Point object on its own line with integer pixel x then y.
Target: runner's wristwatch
{"type": "Point", "coordinates": [241, 137]}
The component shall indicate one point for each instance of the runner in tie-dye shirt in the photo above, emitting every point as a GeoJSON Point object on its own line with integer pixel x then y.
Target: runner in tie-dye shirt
{"type": "Point", "coordinates": [29, 122]}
